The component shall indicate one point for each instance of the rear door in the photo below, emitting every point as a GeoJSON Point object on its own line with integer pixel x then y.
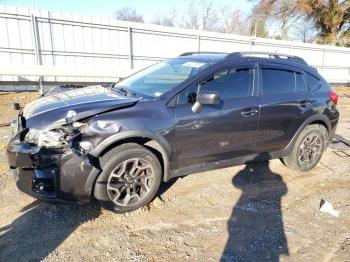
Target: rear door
{"type": "Point", "coordinates": [284, 103]}
{"type": "Point", "coordinates": [222, 131]}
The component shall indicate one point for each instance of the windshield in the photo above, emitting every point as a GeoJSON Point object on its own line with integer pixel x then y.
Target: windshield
{"type": "Point", "coordinates": [162, 77]}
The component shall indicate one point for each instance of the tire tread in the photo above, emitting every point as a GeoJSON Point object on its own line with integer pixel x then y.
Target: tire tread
{"type": "Point", "coordinates": [109, 158]}
{"type": "Point", "coordinates": [291, 161]}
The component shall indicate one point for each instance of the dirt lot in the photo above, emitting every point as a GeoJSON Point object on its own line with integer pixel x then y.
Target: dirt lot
{"type": "Point", "coordinates": [262, 211]}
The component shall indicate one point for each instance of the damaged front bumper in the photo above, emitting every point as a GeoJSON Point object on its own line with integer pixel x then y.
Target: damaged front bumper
{"type": "Point", "coordinates": [48, 173]}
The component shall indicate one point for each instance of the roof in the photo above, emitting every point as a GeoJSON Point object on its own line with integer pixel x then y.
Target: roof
{"type": "Point", "coordinates": [208, 57]}
{"type": "Point", "coordinates": [251, 55]}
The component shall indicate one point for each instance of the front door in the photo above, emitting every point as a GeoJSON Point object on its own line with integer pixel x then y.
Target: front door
{"type": "Point", "coordinates": [221, 131]}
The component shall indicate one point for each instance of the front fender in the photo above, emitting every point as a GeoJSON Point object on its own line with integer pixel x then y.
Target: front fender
{"type": "Point", "coordinates": [163, 143]}
{"type": "Point", "coordinates": [157, 142]}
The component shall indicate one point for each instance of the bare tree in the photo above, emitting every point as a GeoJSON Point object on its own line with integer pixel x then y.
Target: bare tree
{"type": "Point", "coordinates": [190, 18]}
{"type": "Point", "coordinates": [266, 12]}
{"type": "Point", "coordinates": [304, 30]}
{"type": "Point", "coordinates": [257, 26]}
{"type": "Point", "coordinates": [208, 16]}
{"type": "Point", "coordinates": [167, 20]}
{"type": "Point", "coordinates": [128, 14]}
{"type": "Point", "coordinates": [258, 21]}
{"type": "Point", "coordinates": [200, 14]}
{"type": "Point", "coordinates": [331, 18]}
{"type": "Point", "coordinates": [232, 21]}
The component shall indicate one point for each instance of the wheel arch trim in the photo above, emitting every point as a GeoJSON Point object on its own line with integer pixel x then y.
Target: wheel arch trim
{"type": "Point", "coordinates": [163, 143]}
{"type": "Point", "coordinates": [157, 142]}
{"type": "Point", "coordinates": [310, 120]}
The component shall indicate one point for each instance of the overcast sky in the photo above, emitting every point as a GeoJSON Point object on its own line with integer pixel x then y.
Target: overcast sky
{"type": "Point", "coordinates": [106, 8]}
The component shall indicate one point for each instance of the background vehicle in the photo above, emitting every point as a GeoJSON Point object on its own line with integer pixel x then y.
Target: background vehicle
{"type": "Point", "coordinates": [197, 112]}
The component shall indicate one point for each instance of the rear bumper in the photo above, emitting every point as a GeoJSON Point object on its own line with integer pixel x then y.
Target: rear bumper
{"type": "Point", "coordinates": [53, 175]}
{"type": "Point", "coordinates": [333, 128]}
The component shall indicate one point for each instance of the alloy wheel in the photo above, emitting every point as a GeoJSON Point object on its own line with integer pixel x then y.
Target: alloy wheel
{"type": "Point", "coordinates": [130, 181]}
{"type": "Point", "coordinates": [310, 150]}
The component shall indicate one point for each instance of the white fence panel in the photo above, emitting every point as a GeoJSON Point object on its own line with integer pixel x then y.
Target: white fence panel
{"type": "Point", "coordinates": [54, 39]}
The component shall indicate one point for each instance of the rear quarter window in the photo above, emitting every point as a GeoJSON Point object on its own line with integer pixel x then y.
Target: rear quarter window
{"type": "Point", "coordinates": [300, 84]}
{"type": "Point", "coordinates": [325, 86]}
{"type": "Point", "coordinates": [314, 82]}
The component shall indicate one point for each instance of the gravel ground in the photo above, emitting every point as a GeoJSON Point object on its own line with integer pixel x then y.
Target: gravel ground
{"type": "Point", "coordinates": [261, 211]}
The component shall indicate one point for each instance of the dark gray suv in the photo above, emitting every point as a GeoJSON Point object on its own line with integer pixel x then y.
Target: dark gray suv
{"type": "Point", "coordinates": [196, 112]}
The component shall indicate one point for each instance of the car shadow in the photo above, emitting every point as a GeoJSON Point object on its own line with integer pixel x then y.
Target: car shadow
{"type": "Point", "coordinates": [256, 231]}
{"type": "Point", "coordinates": [41, 229]}
{"type": "Point", "coordinates": [164, 186]}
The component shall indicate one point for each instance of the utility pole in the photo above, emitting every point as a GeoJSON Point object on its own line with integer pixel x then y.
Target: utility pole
{"type": "Point", "coordinates": [255, 26]}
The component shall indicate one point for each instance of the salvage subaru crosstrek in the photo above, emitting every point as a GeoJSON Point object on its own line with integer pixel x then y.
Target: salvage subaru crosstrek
{"type": "Point", "coordinates": [196, 112]}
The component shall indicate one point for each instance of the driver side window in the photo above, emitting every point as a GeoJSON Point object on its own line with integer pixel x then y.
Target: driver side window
{"type": "Point", "coordinates": [189, 95]}
{"type": "Point", "coordinates": [233, 83]}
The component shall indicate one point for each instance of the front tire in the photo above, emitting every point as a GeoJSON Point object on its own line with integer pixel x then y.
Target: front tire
{"type": "Point", "coordinates": [308, 148]}
{"type": "Point", "coordinates": [130, 178]}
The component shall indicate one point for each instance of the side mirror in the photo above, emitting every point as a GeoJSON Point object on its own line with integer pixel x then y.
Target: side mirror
{"type": "Point", "coordinates": [205, 98]}
{"type": "Point", "coordinates": [15, 106]}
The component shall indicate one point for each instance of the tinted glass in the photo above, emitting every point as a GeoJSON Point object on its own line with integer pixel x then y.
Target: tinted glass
{"type": "Point", "coordinates": [235, 83]}
{"type": "Point", "coordinates": [162, 77]}
{"type": "Point", "coordinates": [325, 86]}
{"type": "Point", "coordinates": [217, 83]}
{"type": "Point", "coordinates": [314, 83]}
{"type": "Point", "coordinates": [300, 83]}
{"type": "Point", "coordinates": [277, 81]}
{"type": "Point", "coordinates": [240, 83]}
{"type": "Point", "coordinates": [188, 95]}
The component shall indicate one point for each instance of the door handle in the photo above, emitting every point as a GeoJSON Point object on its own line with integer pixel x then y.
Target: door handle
{"type": "Point", "coordinates": [248, 113]}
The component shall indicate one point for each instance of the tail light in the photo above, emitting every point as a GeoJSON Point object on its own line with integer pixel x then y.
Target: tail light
{"type": "Point", "coordinates": [333, 96]}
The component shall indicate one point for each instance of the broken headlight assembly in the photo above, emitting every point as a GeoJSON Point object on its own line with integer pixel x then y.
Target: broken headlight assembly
{"type": "Point", "coordinates": [59, 136]}
{"type": "Point", "coordinates": [55, 137]}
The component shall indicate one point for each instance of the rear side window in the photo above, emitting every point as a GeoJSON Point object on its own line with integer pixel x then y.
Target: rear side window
{"type": "Point", "coordinates": [276, 81]}
{"type": "Point", "coordinates": [314, 83]}
{"type": "Point", "coordinates": [300, 85]}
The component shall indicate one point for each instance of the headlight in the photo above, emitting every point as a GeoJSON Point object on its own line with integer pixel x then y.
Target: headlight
{"type": "Point", "coordinates": [32, 137]}
{"type": "Point", "coordinates": [55, 137]}
{"type": "Point", "coordinates": [50, 139]}
{"type": "Point", "coordinates": [45, 138]}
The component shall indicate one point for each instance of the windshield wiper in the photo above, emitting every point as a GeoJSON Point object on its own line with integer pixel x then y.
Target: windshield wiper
{"type": "Point", "coordinates": [123, 90]}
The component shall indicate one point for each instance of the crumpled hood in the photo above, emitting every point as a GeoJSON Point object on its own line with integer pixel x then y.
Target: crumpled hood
{"type": "Point", "coordinates": [51, 110]}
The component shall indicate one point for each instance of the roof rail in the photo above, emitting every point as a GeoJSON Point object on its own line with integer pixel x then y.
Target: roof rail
{"type": "Point", "coordinates": [201, 53]}
{"type": "Point", "coordinates": [293, 58]}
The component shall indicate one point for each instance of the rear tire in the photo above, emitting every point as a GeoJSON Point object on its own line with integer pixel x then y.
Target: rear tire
{"type": "Point", "coordinates": [308, 148]}
{"type": "Point", "coordinates": [130, 178]}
